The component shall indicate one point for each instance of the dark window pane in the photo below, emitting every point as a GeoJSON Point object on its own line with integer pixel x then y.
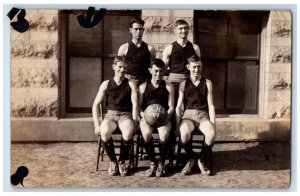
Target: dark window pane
{"type": "Point", "coordinates": [85, 79]}
{"type": "Point", "coordinates": [84, 41]}
{"type": "Point", "coordinates": [214, 70]}
{"type": "Point", "coordinates": [116, 32]}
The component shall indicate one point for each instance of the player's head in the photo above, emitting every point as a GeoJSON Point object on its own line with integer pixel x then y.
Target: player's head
{"type": "Point", "coordinates": [157, 69]}
{"type": "Point", "coordinates": [120, 65]}
{"type": "Point", "coordinates": [137, 21]}
{"type": "Point", "coordinates": [181, 29]}
{"type": "Point", "coordinates": [194, 65]}
{"type": "Point", "coordinates": [136, 28]}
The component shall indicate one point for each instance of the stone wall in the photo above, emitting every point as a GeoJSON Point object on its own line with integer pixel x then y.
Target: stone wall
{"type": "Point", "coordinates": [277, 99]}
{"type": "Point", "coordinates": [159, 27]}
{"type": "Point", "coordinates": [34, 66]}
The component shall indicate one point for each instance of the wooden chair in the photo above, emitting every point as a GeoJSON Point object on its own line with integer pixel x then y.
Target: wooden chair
{"type": "Point", "coordinates": [117, 139]}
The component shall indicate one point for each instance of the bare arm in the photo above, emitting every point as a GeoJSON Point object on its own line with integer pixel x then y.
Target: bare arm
{"type": "Point", "coordinates": [166, 54]}
{"type": "Point", "coordinates": [152, 51]}
{"type": "Point", "coordinates": [123, 50]}
{"type": "Point", "coordinates": [197, 50]}
{"type": "Point", "coordinates": [134, 101]}
{"type": "Point", "coordinates": [142, 88]}
{"type": "Point", "coordinates": [170, 88]}
{"type": "Point", "coordinates": [98, 100]}
{"type": "Point", "coordinates": [211, 107]}
{"type": "Point", "coordinates": [179, 103]}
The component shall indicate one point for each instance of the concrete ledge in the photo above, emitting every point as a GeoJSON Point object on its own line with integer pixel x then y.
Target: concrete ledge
{"type": "Point", "coordinates": [82, 129]}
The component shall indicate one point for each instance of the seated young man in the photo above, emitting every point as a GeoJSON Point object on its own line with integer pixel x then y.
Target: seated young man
{"type": "Point", "coordinates": [121, 102]}
{"type": "Point", "coordinates": [156, 91]}
{"type": "Point", "coordinates": [195, 94]}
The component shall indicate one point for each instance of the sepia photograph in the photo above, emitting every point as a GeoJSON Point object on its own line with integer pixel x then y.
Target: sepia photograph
{"type": "Point", "coordinates": [150, 98]}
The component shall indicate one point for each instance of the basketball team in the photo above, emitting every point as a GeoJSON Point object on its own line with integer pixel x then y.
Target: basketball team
{"type": "Point", "coordinates": [140, 81]}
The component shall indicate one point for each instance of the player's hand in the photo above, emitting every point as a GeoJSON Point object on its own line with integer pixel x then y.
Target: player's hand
{"type": "Point", "coordinates": [97, 130]}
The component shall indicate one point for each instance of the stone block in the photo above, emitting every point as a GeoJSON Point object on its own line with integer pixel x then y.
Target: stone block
{"type": "Point", "coordinates": [279, 81]}
{"type": "Point", "coordinates": [278, 110]}
{"type": "Point", "coordinates": [42, 20]}
{"type": "Point", "coordinates": [281, 28]}
{"type": "Point", "coordinates": [34, 63]}
{"type": "Point", "coordinates": [279, 67]}
{"type": "Point", "coordinates": [34, 36]}
{"type": "Point", "coordinates": [34, 107]}
{"type": "Point", "coordinates": [168, 13]}
{"type": "Point", "coordinates": [44, 93]}
{"type": "Point", "coordinates": [281, 15]}
{"type": "Point", "coordinates": [280, 54]}
{"type": "Point", "coordinates": [278, 95]}
{"type": "Point", "coordinates": [157, 24]}
{"type": "Point", "coordinates": [34, 77]}
{"type": "Point", "coordinates": [82, 129]}
{"type": "Point", "coordinates": [26, 49]}
{"type": "Point", "coordinates": [34, 129]}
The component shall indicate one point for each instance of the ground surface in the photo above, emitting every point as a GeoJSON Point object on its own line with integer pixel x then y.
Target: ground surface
{"type": "Point", "coordinates": [72, 165]}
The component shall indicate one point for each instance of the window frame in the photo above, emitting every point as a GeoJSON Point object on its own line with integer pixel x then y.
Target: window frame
{"type": "Point", "coordinates": [64, 109]}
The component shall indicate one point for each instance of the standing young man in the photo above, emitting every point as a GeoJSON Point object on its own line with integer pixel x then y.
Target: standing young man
{"type": "Point", "coordinates": [156, 91]}
{"type": "Point", "coordinates": [121, 103]}
{"type": "Point", "coordinates": [195, 94]}
{"type": "Point", "coordinates": [176, 54]}
{"type": "Point", "coordinates": [137, 52]}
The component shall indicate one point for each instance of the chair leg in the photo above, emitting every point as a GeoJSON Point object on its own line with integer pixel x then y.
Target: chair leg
{"type": "Point", "coordinates": [98, 152]}
{"type": "Point", "coordinates": [210, 160]}
{"type": "Point", "coordinates": [179, 146]}
{"type": "Point", "coordinates": [137, 151]}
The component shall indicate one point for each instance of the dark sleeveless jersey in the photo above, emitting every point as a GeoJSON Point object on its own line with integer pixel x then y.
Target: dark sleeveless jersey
{"type": "Point", "coordinates": [179, 56]}
{"type": "Point", "coordinates": [139, 59]}
{"type": "Point", "coordinates": [195, 97]}
{"type": "Point", "coordinates": [118, 97]}
{"type": "Point", "coordinates": [157, 95]}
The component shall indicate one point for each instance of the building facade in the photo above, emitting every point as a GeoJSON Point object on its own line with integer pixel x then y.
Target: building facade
{"type": "Point", "coordinates": [57, 67]}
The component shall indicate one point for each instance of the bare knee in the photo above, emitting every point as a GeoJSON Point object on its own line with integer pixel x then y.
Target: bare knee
{"type": "Point", "coordinates": [105, 134]}
{"type": "Point", "coordinates": [186, 129]}
{"type": "Point", "coordinates": [164, 136]}
{"type": "Point", "coordinates": [127, 129]}
{"type": "Point", "coordinates": [106, 130]}
{"type": "Point", "coordinates": [208, 130]}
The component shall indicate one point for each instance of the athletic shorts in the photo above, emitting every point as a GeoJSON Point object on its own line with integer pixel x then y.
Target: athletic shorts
{"type": "Point", "coordinates": [117, 116]}
{"type": "Point", "coordinates": [177, 78]}
{"type": "Point", "coordinates": [196, 116]}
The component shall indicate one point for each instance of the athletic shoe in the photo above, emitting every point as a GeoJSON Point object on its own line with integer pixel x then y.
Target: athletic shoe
{"type": "Point", "coordinates": [188, 167]}
{"type": "Point", "coordinates": [151, 171]}
{"type": "Point", "coordinates": [160, 170]}
{"type": "Point", "coordinates": [113, 169]}
{"type": "Point", "coordinates": [123, 169]}
{"type": "Point", "coordinates": [203, 168]}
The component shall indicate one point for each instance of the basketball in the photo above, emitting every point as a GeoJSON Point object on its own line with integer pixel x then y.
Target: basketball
{"type": "Point", "coordinates": [156, 115]}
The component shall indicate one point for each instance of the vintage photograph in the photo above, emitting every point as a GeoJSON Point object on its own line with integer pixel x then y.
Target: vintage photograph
{"type": "Point", "coordinates": [150, 98]}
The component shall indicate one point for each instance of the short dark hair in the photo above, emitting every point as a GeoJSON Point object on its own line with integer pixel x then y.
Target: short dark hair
{"type": "Point", "coordinates": [193, 59]}
{"type": "Point", "coordinates": [158, 63]}
{"type": "Point", "coordinates": [121, 59]}
{"type": "Point", "coordinates": [181, 22]}
{"type": "Point", "coordinates": [136, 20]}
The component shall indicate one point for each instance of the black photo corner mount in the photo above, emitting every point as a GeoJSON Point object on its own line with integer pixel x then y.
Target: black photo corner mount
{"type": "Point", "coordinates": [19, 176]}
{"type": "Point", "coordinates": [21, 25]}
{"type": "Point", "coordinates": [92, 18]}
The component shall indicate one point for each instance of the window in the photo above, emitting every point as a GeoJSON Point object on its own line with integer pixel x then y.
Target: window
{"type": "Point", "coordinates": [230, 48]}
{"type": "Point", "coordinates": [87, 55]}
